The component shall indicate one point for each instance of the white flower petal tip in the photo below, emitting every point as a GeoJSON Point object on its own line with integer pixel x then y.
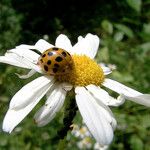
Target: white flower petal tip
{"type": "Point", "coordinates": [128, 93]}
{"type": "Point", "coordinates": [63, 41]}
{"type": "Point", "coordinates": [53, 105]}
{"type": "Point", "coordinates": [120, 100]}
{"type": "Point", "coordinates": [106, 70]}
{"type": "Point", "coordinates": [30, 73]}
{"type": "Point", "coordinates": [8, 123]}
{"type": "Point", "coordinates": [143, 99]}
{"type": "Point", "coordinates": [43, 45]}
{"type": "Point", "coordinates": [94, 42]}
{"type": "Point", "coordinates": [103, 97]}
{"type": "Point", "coordinates": [40, 118]}
{"type": "Point", "coordinates": [116, 102]}
{"type": "Point", "coordinates": [87, 46]}
{"type": "Point", "coordinates": [80, 38]}
{"type": "Point", "coordinates": [96, 117]}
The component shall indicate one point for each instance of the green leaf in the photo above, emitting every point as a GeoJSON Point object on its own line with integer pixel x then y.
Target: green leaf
{"type": "Point", "coordinates": [107, 26]}
{"type": "Point", "coordinates": [126, 30]}
{"type": "Point", "coordinates": [135, 4]}
{"type": "Point", "coordinates": [145, 121]}
{"type": "Point", "coordinates": [103, 54]}
{"type": "Point", "coordinates": [145, 46]}
{"type": "Point", "coordinates": [62, 144]}
{"type": "Point", "coordinates": [146, 28]}
{"type": "Point", "coordinates": [3, 142]}
{"type": "Point", "coordinates": [118, 36]}
{"type": "Point", "coordinates": [136, 143]}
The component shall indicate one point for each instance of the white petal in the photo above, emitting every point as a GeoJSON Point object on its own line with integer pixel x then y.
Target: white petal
{"type": "Point", "coordinates": [129, 93]}
{"type": "Point", "coordinates": [106, 70]}
{"type": "Point", "coordinates": [43, 45]}
{"type": "Point", "coordinates": [24, 46]}
{"type": "Point", "coordinates": [120, 88]}
{"type": "Point", "coordinates": [53, 104]}
{"type": "Point", "coordinates": [20, 57]}
{"type": "Point", "coordinates": [31, 92]}
{"type": "Point", "coordinates": [143, 99]}
{"type": "Point", "coordinates": [88, 45]}
{"type": "Point", "coordinates": [25, 53]}
{"type": "Point", "coordinates": [67, 86]}
{"type": "Point", "coordinates": [23, 59]}
{"type": "Point", "coordinates": [80, 38]}
{"type": "Point", "coordinates": [28, 75]}
{"type": "Point", "coordinates": [63, 42]}
{"type": "Point", "coordinates": [117, 102]}
{"type": "Point", "coordinates": [104, 97]}
{"type": "Point", "coordinates": [51, 89]}
{"type": "Point", "coordinates": [95, 116]}
{"type": "Point", "coordinates": [12, 61]}
{"type": "Point", "coordinates": [14, 116]}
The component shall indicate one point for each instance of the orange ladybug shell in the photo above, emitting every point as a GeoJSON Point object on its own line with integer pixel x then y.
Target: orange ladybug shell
{"type": "Point", "coordinates": [55, 61]}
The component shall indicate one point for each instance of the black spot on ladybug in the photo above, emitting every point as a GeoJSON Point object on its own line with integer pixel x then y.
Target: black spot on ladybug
{"type": "Point", "coordinates": [41, 60]}
{"type": "Point", "coordinates": [56, 65]}
{"type": "Point", "coordinates": [45, 68]}
{"type": "Point", "coordinates": [43, 55]}
{"type": "Point", "coordinates": [64, 54]}
{"type": "Point", "coordinates": [50, 53]}
{"type": "Point", "coordinates": [55, 70]}
{"type": "Point", "coordinates": [58, 59]}
{"type": "Point", "coordinates": [55, 48]}
{"type": "Point", "coordinates": [49, 62]}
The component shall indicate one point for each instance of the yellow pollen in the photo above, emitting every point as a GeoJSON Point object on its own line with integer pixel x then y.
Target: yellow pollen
{"type": "Point", "coordinates": [84, 71]}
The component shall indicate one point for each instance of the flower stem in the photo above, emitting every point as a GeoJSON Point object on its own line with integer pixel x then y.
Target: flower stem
{"type": "Point", "coordinates": [62, 144]}
{"type": "Point", "coordinates": [69, 114]}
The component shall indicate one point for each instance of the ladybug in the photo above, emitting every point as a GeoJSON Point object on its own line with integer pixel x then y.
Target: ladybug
{"type": "Point", "coordinates": [55, 61]}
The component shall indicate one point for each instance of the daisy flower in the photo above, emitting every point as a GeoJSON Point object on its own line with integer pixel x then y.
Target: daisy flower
{"type": "Point", "coordinates": [84, 76]}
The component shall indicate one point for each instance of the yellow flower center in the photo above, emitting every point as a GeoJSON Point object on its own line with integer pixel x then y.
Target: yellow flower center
{"type": "Point", "coordinates": [84, 71]}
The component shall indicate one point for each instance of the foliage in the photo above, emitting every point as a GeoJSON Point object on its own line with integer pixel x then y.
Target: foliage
{"type": "Point", "coordinates": [124, 29]}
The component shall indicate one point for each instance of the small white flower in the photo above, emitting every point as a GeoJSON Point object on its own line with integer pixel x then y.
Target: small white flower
{"type": "Point", "coordinates": [86, 77]}
{"type": "Point", "coordinates": [75, 130]}
{"type": "Point", "coordinates": [85, 143]}
{"type": "Point", "coordinates": [80, 132]}
{"type": "Point", "coordinates": [97, 146]}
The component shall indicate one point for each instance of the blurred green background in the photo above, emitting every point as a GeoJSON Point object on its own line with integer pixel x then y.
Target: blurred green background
{"type": "Point", "coordinates": [124, 30]}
